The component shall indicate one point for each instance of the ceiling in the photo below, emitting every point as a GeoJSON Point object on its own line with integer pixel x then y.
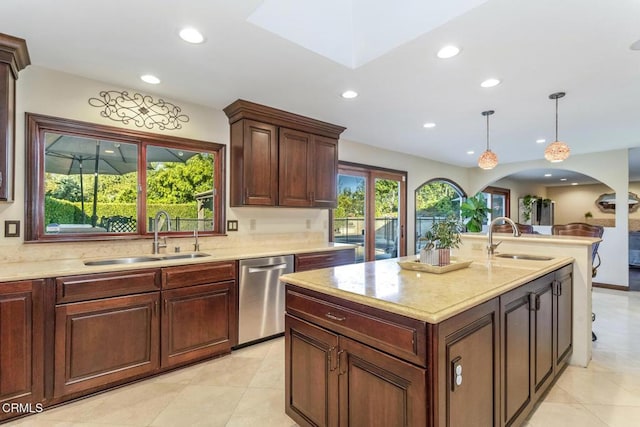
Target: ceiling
{"type": "Point", "coordinates": [581, 47]}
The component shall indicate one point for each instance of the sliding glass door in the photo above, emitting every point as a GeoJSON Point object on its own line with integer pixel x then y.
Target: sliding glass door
{"type": "Point", "coordinates": [371, 211]}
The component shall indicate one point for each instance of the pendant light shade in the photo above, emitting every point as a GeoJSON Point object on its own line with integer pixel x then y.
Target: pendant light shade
{"type": "Point", "coordinates": [557, 151]}
{"type": "Point", "coordinates": [488, 159]}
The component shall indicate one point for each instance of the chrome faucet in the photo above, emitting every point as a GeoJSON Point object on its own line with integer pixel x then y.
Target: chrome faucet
{"type": "Point", "coordinates": [492, 246]}
{"type": "Point", "coordinates": [156, 243]}
{"type": "Point", "coordinates": [196, 245]}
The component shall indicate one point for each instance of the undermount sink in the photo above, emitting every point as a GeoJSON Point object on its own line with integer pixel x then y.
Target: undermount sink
{"type": "Point", "coordinates": [185, 256]}
{"type": "Point", "coordinates": [126, 260]}
{"type": "Point", "coordinates": [525, 257]}
{"type": "Point", "coordinates": [133, 260]}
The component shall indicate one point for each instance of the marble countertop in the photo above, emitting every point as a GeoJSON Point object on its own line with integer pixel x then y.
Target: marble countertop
{"type": "Point", "coordinates": [424, 296]}
{"type": "Point", "coordinates": [11, 271]}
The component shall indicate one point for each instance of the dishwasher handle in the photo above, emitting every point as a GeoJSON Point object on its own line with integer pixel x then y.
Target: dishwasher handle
{"type": "Point", "coordinates": [267, 268]}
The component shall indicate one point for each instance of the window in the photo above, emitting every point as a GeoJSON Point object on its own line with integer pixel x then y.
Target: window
{"type": "Point", "coordinates": [498, 200]}
{"type": "Point", "coordinates": [435, 200]}
{"type": "Point", "coordinates": [88, 182]}
{"type": "Point", "coordinates": [371, 211]}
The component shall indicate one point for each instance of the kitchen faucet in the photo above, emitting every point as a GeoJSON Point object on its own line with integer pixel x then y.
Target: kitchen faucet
{"type": "Point", "coordinates": [196, 245]}
{"type": "Point", "coordinates": [156, 243]}
{"type": "Point", "coordinates": [492, 246]}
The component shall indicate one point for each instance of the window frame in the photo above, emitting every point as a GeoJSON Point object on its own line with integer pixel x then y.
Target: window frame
{"type": "Point", "coordinates": [498, 191]}
{"type": "Point", "coordinates": [37, 125]}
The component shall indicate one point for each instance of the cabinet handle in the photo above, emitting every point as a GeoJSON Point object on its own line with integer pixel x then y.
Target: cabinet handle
{"type": "Point", "coordinates": [333, 359]}
{"type": "Point", "coordinates": [166, 302]}
{"type": "Point", "coordinates": [557, 287]}
{"type": "Point", "coordinates": [342, 362]}
{"type": "Point", "coordinates": [534, 302]}
{"type": "Point", "coordinates": [335, 317]}
{"type": "Point", "coordinates": [246, 193]}
{"type": "Point", "coordinates": [155, 308]}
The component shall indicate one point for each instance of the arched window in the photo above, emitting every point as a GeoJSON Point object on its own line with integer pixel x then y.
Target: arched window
{"type": "Point", "coordinates": [435, 200]}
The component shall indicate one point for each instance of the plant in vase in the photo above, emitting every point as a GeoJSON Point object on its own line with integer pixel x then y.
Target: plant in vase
{"type": "Point", "coordinates": [588, 216]}
{"type": "Point", "coordinates": [443, 236]}
{"type": "Point", "coordinates": [475, 212]}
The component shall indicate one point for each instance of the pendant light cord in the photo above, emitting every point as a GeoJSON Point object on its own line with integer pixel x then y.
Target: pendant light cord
{"type": "Point", "coordinates": [488, 132]}
{"type": "Point", "coordinates": [556, 119]}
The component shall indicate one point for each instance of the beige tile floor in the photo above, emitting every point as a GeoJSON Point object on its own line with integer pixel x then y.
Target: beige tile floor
{"type": "Point", "coordinates": [246, 388]}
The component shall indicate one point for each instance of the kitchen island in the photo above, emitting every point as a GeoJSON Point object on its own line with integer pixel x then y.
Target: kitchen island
{"type": "Point", "coordinates": [372, 344]}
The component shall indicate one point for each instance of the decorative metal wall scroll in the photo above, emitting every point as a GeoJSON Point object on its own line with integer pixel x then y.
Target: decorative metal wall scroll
{"type": "Point", "coordinates": [142, 110]}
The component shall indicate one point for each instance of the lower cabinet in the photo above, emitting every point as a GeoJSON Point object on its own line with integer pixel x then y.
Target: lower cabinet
{"type": "Point", "coordinates": [196, 322]}
{"type": "Point", "coordinates": [468, 361]}
{"type": "Point", "coordinates": [333, 380]}
{"type": "Point", "coordinates": [312, 261]}
{"type": "Point", "coordinates": [22, 349]}
{"type": "Point", "coordinates": [102, 342]}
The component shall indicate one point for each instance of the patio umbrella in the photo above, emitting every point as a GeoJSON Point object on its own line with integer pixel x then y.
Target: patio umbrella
{"type": "Point", "coordinates": [71, 155]}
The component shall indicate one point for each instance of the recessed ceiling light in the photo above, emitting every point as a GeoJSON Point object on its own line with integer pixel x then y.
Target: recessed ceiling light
{"type": "Point", "coordinates": [470, 152]}
{"type": "Point", "coordinates": [429, 125]}
{"type": "Point", "coordinates": [448, 52]}
{"type": "Point", "coordinates": [490, 83]}
{"type": "Point", "coordinates": [541, 141]}
{"type": "Point", "coordinates": [547, 174]}
{"type": "Point", "coordinates": [635, 45]}
{"type": "Point", "coordinates": [148, 78]}
{"type": "Point", "coordinates": [574, 183]}
{"type": "Point", "coordinates": [349, 94]}
{"type": "Point", "coordinates": [109, 151]}
{"type": "Point", "coordinates": [191, 35]}
{"type": "Point", "coordinates": [563, 179]}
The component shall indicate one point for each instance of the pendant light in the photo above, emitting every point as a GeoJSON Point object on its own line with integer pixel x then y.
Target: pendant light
{"type": "Point", "coordinates": [488, 159]}
{"type": "Point", "coordinates": [557, 151]}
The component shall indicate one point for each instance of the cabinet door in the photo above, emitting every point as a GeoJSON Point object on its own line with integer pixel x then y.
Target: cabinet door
{"type": "Point", "coordinates": [101, 342]}
{"type": "Point", "coordinates": [516, 336]}
{"type": "Point", "coordinates": [325, 171]}
{"type": "Point", "coordinates": [22, 349]}
{"type": "Point", "coordinates": [379, 390]}
{"type": "Point", "coordinates": [543, 346]}
{"type": "Point", "coordinates": [311, 380]}
{"type": "Point", "coordinates": [469, 368]}
{"type": "Point", "coordinates": [296, 168]}
{"type": "Point", "coordinates": [196, 322]}
{"type": "Point", "coordinates": [564, 314]}
{"type": "Point", "coordinates": [254, 163]}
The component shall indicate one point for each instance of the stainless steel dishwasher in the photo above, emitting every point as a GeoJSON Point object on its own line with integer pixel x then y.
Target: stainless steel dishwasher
{"type": "Point", "coordinates": [261, 297]}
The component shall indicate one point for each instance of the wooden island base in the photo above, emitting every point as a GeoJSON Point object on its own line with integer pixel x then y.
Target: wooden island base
{"type": "Point", "coordinates": [349, 363]}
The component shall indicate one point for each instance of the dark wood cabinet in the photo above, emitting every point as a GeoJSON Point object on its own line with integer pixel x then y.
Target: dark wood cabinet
{"type": "Point", "coordinates": [536, 340]}
{"type": "Point", "coordinates": [22, 350]}
{"type": "Point", "coordinates": [315, 260]}
{"type": "Point", "coordinates": [13, 58]}
{"type": "Point", "coordinates": [468, 376]}
{"type": "Point", "coordinates": [254, 164]}
{"type": "Point", "coordinates": [308, 169]}
{"type": "Point", "coordinates": [197, 322]}
{"type": "Point", "coordinates": [333, 380]}
{"type": "Point", "coordinates": [280, 158]}
{"type": "Point", "coordinates": [102, 342]}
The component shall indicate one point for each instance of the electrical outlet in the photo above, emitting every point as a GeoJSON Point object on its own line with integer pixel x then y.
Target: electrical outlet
{"type": "Point", "coordinates": [232, 225]}
{"type": "Point", "coordinates": [308, 224]}
{"type": "Point", "coordinates": [476, 246]}
{"type": "Point", "coordinates": [252, 224]}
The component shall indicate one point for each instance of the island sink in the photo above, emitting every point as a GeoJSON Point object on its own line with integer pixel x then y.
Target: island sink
{"type": "Point", "coordinates": [525, 257]}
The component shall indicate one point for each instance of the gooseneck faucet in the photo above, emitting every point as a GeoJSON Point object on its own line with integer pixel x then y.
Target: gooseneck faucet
{"type": "Point", "coordinates": [156, 243]}
{"type": "Point", "coordinates": [196, 245]}
{"type": "Point", "coordinates": [492, 246]}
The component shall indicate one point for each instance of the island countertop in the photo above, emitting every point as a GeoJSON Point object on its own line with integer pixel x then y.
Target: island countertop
{"type": "Point", "coordinates": [424, 296]}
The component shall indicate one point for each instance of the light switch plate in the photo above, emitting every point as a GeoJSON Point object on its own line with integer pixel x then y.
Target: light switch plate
{"type": "Point", "coordinates": [232, 225]}
{"type": "Point", "coordinates": [12, 229]}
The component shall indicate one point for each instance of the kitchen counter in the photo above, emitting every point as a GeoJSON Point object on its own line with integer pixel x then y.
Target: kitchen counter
{"type": "Point", "coordinates": [12, 271]}
{"type": "Point", "coordinates": [424, 296]}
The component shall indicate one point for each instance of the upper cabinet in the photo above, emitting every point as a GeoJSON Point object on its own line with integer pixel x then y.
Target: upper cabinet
{"type": "Point", "coordinates": [13, 58]}
{"type": "Point", "coordinates": [281, 159]}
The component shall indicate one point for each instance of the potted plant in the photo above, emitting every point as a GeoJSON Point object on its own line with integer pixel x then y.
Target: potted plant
{"type": "Point", "coordinates": [587, 216]}
{"type": "Point", "coordinates": [474, 211]}
{"type": "Point", "coordinates": [443, 236]}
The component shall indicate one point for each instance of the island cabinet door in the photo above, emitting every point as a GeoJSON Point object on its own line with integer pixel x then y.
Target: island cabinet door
{"type": "Point", "coordinates": [311, 375]}
{"type": "Point", "coordinates": [543, 323]}
{"type": "Point", "coordinates": [377, 389]}
{"type": "Point", "coordinates": [564, 314]}
{"type": "Point", "coordinates": [468, 368]}
{"type": "Point", "coordinates": [102, 342]}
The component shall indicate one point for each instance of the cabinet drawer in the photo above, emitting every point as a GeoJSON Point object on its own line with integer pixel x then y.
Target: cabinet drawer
{"type": "Point", "coordinates": [395, 334]}
{"type": "Point", "coordinates": [103, 285]}
{"type": "Point", "coordinates": [312, 261]}
{"type": "Point", "coordinates": [198, 274]}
